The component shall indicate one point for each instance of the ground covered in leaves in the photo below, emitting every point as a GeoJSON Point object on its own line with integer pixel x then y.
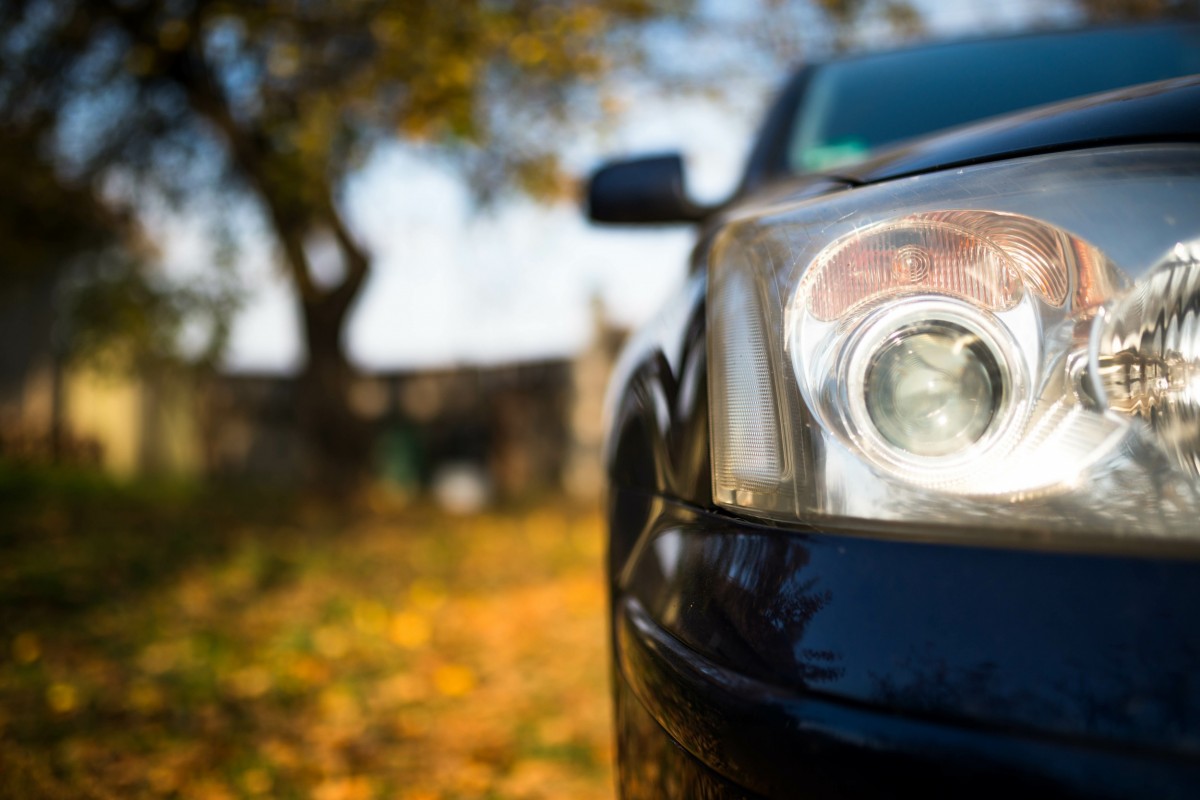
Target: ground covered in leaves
{"type": "Point", "coordinates": [173, 643]}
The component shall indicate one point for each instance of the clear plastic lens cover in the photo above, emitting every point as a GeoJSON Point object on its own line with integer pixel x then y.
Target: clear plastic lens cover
{"type": "Point", "coordinates": [1010, 346]}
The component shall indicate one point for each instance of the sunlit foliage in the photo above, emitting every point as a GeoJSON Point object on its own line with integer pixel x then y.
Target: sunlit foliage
{"type": "Point", "coordinates": [164, 644]}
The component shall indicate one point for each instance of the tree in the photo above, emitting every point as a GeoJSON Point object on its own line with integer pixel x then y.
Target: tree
{"type": "Point", "coordinates": [286, 97]}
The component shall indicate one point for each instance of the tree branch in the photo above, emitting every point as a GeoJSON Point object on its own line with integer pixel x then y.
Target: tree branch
{"type": "Point", "coordinates": [188, 69]}
{"type": "Point", "coordinates": [357, 260]}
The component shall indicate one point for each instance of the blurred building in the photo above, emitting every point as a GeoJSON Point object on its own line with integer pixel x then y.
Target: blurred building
{"type": "Point", "coordinates": [51, 413]}
{"type": "Point", "coordinates": [507, 430]}
{"type": "Point", "coordinates": [509, 423]}
{"type": "Point", "coordinates": [583, 475]}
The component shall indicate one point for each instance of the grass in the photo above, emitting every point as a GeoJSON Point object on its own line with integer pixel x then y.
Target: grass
{"type": "Point", "coordinates": [169, 642]}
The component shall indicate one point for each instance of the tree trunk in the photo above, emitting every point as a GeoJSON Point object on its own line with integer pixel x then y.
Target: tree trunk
{"type": "Point", "coordinates": [338, 440]}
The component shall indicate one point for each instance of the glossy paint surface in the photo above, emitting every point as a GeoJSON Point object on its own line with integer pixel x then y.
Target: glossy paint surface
{"type": "Point", "coordinates": [752, 646]}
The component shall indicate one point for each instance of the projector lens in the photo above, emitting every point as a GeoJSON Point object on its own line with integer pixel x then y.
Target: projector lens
{"type": "Point", "coordinates": [933, 389]}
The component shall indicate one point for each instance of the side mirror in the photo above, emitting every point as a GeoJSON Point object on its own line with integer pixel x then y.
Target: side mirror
{"type": "Point", "coordinates": [641, 191]}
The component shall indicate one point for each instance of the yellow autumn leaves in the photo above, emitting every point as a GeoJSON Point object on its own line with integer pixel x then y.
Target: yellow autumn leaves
{"type": "Point", "coordinates": [408, 656]}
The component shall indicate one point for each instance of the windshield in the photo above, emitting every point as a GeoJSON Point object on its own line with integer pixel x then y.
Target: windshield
{"type": "Point", "coordinates": [851, 108]}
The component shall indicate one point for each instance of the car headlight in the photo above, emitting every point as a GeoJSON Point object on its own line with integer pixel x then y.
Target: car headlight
{"type": "Point", "coordinates": [1000, 346]}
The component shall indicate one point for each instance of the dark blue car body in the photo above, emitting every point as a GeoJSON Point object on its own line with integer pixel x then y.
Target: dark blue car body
{"type": "Point", "coordinates": [759, 659]}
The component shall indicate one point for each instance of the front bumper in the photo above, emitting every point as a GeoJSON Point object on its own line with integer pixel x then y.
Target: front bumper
{"type": "Point", "coordinates": [759, 662]}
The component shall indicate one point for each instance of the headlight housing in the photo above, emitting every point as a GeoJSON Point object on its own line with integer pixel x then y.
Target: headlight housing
{"type": "Point", "coordinates": [1004, 346]}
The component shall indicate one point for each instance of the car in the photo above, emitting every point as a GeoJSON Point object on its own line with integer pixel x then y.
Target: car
{"type": "Point", "coordinates": [903, 481]}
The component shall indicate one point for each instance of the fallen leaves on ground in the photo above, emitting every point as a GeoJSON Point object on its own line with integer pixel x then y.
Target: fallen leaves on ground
{"type": "Point", "coordinates": [397, 654]}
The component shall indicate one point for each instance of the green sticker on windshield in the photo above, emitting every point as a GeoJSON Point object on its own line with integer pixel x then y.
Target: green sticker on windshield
{"type": "Point", "coordinates": [827, 156]}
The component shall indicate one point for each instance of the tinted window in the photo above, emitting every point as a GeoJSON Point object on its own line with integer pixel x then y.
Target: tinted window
{"type": "Point", "coordinates": [853, 107]}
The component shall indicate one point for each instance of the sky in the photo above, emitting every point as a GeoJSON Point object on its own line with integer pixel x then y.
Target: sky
{"type": "Point", "coordinates": [455, 285]}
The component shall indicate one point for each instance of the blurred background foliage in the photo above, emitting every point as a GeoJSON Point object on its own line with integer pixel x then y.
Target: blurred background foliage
{"type": "Point", "coordinates": [281, 100]}
{"type": "Point", "coordinates": [164, 641]}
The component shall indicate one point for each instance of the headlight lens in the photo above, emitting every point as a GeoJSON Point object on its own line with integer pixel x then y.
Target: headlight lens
{"type": "Point", "coordinates": [932, 389]}
{"type": "Point", "coordinates": [970, 349]}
